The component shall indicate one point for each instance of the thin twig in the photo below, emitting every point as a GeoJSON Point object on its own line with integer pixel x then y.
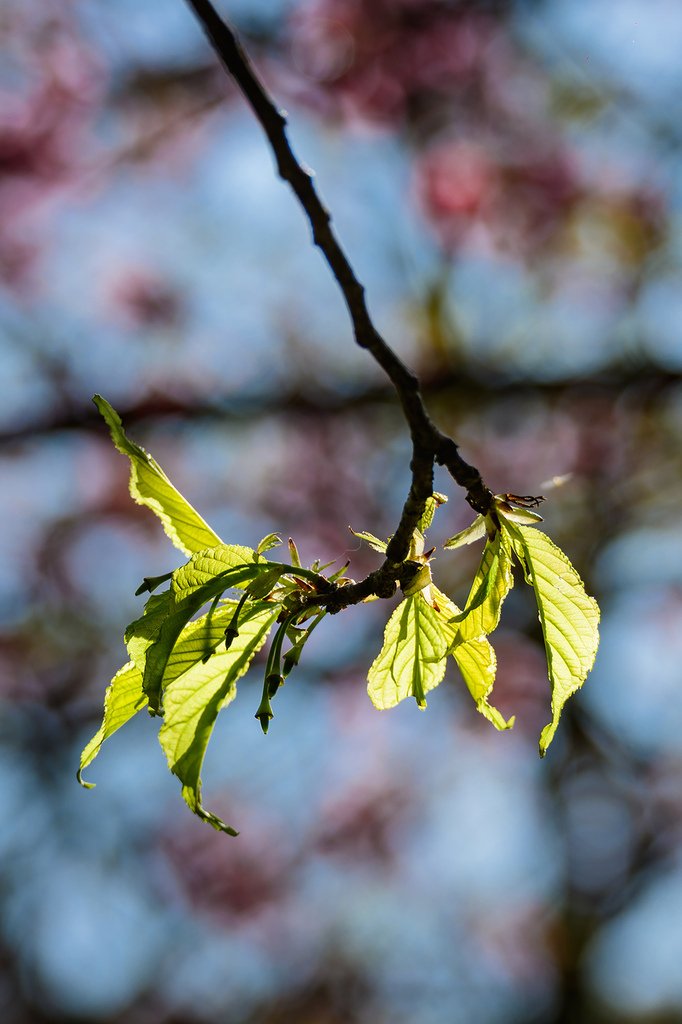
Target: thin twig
{"type": "Point", "coordinates": [429, 444]}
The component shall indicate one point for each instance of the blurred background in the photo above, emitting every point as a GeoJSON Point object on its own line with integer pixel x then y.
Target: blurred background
{"type": "Point", "coordinates": [506, 177]}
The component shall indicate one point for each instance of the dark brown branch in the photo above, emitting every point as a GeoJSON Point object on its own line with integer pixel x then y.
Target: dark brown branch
{"type": "Point", "coordinates": [273, 122]}
{"type": "Point", "coordinates": [429, 445]}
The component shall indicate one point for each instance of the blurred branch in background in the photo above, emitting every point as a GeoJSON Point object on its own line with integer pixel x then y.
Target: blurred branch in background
{"type": "Point", "coordinates": [644, 385]}
{"type": "Point", "coordinates": [513, 205]}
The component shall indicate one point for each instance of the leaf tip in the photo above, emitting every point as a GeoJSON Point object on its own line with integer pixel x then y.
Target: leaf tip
{"type": "Point", "coordinates": [215, 822]}
{"type": "Point", "coordinates": [546, 737]}
{"type": "Point", "coordinates": [105, 409]}
{"type": "Point", "coordinates": [82, 781]}
{"type": "Point", "coordinates": [475, 531]}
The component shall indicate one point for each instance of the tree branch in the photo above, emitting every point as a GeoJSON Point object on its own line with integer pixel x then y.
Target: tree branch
{"type": "Point", "coordinates": [429, 445]}
{"type": "Point", "coordinates": [646, 385]}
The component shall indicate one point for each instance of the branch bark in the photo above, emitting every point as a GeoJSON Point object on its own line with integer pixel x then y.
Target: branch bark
{"type": "Point", "coordinates": [429, 444]}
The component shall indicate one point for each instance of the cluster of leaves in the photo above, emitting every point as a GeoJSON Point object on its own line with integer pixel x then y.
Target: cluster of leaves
{"type": "Point", "coordinates": [192, 643]}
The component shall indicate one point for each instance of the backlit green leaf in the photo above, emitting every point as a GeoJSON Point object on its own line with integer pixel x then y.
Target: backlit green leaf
{"type": "Point", "coordinates": [419, 581]}
{"type": "Point", "coordinates": [477, 662]}
{"type": "Point", "coordinates": [200, 638]}
{"type": "Point", "coordinates": [369, 538]}
{"type": "Point", "coordinates": [142, 633]}
{"type": "Point", "coordinates": [492, 582]}
{"type": "Point", "coordinates": [416, 545]}
{"type": "Point", "coordinates": [261, 586]}
{"type": "Point", "coordinates": [271, 540]}
{"type": "Point", "coordinates": [472, 533]}
{"type": "Point", "coordinates": [184, 605]}
{"type": "Point", "coordinates": [150, 639]}
{"type": "Point", "coordinates": [123, 699]}
{"type": "Point", "coordinates": [432, 504]}
{"type": "Point", "coordinates": [475, 659]}
{"type": "Point", "coordinates": [412, 659]}
{"type": "Point", "coordinates": [522, 516]}
{"type": "Point", "coordinates": [294, 555]}
{"type": "Point", "coordinates": [205, 565]}
{"type": "Point", "coordinates": [569, 617]}
{"type": "Point", "coordinates": [150, 486]}
{"type": "Point", "coordinates": [194, 697]}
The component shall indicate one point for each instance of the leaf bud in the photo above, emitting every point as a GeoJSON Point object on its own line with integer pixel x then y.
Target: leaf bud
{"type": "Point", "coordinates": [417, 580]}
{"type": "Point", "coordinates": [231, 633]}
{"type": "Point", "coordinates": [273, 683]}
{"type": "Point", "coordinates": [150, 583]}
{"type": "Point", "coordinates": [264, 713]}
{"type": "Point", "coordinates": [294, 555]}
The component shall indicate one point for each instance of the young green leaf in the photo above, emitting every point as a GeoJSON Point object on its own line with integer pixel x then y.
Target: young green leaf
{"type": "Point", "coordinates": [516, 514]}
{"type": "Point", "coordinates": [165, 614]}
{"type": "Point", "coordinates": [420, 580]}
{"type": "Point", "coordinates": [271, 540]}
{"type": "Point", "coordinates": [141, 634]}
{"type": "Point", "coordinates": [519, 508]}
{"type": "Point", "coordinates": [206, 565]}
{"type": "Point", "coordinates": [261, 585]}
{"type": "Point", "coordinates": [369, 538]}
{"type": "Point", "coordinates": [492, 582]}
{"type": "Point", "coordinates": [475, 659]}
{"type": "Point", "coordinates": [193, 699]}
{"type": "Point", "coordinates": [412, 659]}
{"type": "Point", "coordinates": [334, 576]}
{"type": "Point", "coordinates": [568, 616]}
{"type": "Point", "coordinates": [416, 546]}
{"type": "Point", "coordinates": [476, 531]}
{"type": "Point", "coordinates": [150, 486]}
{"type": "Point", "coordinates": [199, 638]}
{"type": "Point", "coordinates": [123, 699]}
{"type": "Point", "coordinates": [184, 605]}
{"type": "Point", "coordinates": [434, 502]}
{"type": "Point", "coordinates": [477, 662]}
{"type": "Point", "coordinates": [294, 555]}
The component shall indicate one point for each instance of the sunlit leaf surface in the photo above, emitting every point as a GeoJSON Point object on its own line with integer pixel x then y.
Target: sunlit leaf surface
{"type": "Point", "coordinates": [475, 660]}
{"type": "Point", "coordinates": [569, 617]}
{"type": "Point", "coordinates": [492, 582]}
{"type": "Point", "coordinates": [193, 696]}
{"type": "Point", "coordinates": [150, 486]}
{"type": "Point", "coordinates": [412, 659]}
{"type": "Point", "coordinates": [123, 699]}
{"type": "Point", "coordinates": [369, 538]}
{"type": "Point", "coordinates": [472, 533]}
